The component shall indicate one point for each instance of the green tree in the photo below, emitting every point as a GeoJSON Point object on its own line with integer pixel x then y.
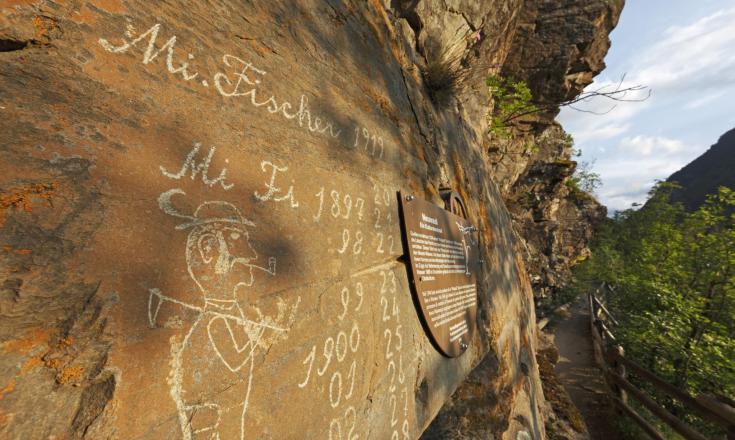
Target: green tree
{"type": "Point", "coordinates": [673, 274]}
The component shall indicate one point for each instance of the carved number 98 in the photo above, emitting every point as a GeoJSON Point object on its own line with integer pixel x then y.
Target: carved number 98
{"type": "Point", "coordinates": [356, 245]}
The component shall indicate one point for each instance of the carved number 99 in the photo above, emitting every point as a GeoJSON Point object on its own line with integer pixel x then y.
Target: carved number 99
{"type": "Point", "coordinates": [345, 299]}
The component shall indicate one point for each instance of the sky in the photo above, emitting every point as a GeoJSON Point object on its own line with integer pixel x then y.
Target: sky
{"type": "Point", "coordinates": [684, 51]}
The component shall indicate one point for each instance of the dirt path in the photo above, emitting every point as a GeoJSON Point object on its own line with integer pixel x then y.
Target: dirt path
{"type": "Point", "coordinates": [577, 371]}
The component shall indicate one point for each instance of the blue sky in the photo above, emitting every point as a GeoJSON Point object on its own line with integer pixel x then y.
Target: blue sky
{"type": "Point", "coordinates": [684, 51]}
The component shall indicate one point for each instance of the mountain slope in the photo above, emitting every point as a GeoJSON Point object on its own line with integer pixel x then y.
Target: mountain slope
{"type": "Point", "coordinates": [706, 173]}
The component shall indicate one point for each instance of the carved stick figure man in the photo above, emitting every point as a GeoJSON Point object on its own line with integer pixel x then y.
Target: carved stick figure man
{"type": "Point", "coordinates": [212, 366]}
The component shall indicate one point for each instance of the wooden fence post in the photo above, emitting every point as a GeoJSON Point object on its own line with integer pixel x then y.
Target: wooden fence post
{"type": "Point", "coordinates": [614, 355]}
{"type": "Point", "coordinates": [600, 328]}
{"type": "Point", "coordinates": [591, 305]}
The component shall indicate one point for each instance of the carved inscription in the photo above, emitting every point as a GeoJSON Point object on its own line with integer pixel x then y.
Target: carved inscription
{"type": "Point", "coordinates": [223, 263]}
{"type": "Point", "coordinates": [239, 78]}
{"type": "Point", "coordinates": [393, 338]}
{"type": "Point", "coordinates": [223, 334]}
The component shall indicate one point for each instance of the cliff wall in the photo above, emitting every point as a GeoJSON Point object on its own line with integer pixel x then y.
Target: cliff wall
{"type": "Point", "coordinates": [198, 219]}
{"type": "Point", "coordinates": [556, 47]}
{"type": "Point", "coordinates": [200, 231]}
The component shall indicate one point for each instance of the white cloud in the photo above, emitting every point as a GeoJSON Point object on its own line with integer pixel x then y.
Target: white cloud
{"type": "Point", "coordinates": [699, 55]}
{"type": "Point", "coordinates": [601, 118]}
{"type": "Point", "coordinates": [639, 162]}
{"type": "Point", "coordinates": [689, 60]}
{"type": "Point", "coordinates": [624, 171]}
{"type": "Point", "coordinates": [601, 110]}
{"type": "Point", "coordinates": [649, 145]}
{"type": "Point", "coordinates": [704, 100]}
{"type": "Point", "coordinates": [598, 132]}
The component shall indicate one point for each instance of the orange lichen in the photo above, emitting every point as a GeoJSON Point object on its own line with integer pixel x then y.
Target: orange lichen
{"type": "Point", "coordinates": [373, 26]}
{"type": "Point", "coordinates": [44, 27]}
{"type": "Point", "coordinates": [523, 279]}
{"type": "Point", "coordinates": [10, 249]}
{"type": "Point", "coordinates": [24, 345]}
{"type": "Point", "coordinates": [30, 364]}
{"type": "Point", "coordinates": [458, 171]}
{"type": "Point", "coordinates": [485, 228]}
{"type": "Point", "coordinates": [85, 15]}
{"type": "Point", "coordinates": [56, 360]}
{"type": "Point", "coordinates": [388, 23]}
{"type": "Point", "coordinates": [22, 198]}
{"type": "Point", "coordinates": [70, 375]}
{"type": "Point", "coordinates": [385, 106]}
{"type": "Point", "coordinates": [114, 6]}
{"type": "Point", "coordinates": [38, 23]}
{"type": "Point", "coordinates": [261, 48]}
{"type": "Point", "coordinates": [433, 191]}
{"type": "Point", "coordinates": [54, 364]}
{"type": "Point", "coordinates": [9, 388]}
{"type": "Point", "coordinates": [460, 178]}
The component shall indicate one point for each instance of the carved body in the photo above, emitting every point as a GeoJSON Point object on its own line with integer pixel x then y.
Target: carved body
{"type": "Point", "coordinates": [217, 349]}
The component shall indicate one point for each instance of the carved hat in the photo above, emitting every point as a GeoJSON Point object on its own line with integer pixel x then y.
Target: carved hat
{"type": "Point", "coordinates": [208, 212]}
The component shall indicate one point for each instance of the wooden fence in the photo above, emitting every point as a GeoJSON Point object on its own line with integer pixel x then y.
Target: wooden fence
{"type": "Point", "coordinates": [610, 357]}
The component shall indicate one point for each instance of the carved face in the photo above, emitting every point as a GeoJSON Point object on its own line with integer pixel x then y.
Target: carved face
{"type": "Point", "coordinates": [219, 257]}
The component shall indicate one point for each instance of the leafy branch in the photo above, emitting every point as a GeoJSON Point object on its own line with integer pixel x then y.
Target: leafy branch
{"type": "Point", "coordinates": [513, 100]}
{"type": "Point", "coordinates": [614, 92]}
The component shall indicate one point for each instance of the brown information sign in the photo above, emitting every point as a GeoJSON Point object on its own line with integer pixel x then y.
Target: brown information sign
{"type": "Point", "coordinates": [443, 259]}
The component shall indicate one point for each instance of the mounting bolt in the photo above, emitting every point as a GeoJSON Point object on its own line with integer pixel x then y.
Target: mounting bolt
{"type": "Point", "coordinates": [409, 197]}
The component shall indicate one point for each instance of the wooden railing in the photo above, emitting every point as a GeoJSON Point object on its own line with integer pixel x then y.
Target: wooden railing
{"type": "Point", "coordinates": [610, 357]}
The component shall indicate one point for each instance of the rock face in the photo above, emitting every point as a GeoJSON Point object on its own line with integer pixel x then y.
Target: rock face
{"type": "Point", "coordinates": [556, 47]}
{"type": "Point", "coordinates": [199, 223]}
{"type": "Point", "coordinates": [560, 45]}
{"type": "Point", "coordinates": [555, 221]}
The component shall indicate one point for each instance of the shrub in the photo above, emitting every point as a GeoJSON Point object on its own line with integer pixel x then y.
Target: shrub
{"type": "Point", "coordinates": [584, 179]}
{"type": "Point", "coordinates": [512, 99]}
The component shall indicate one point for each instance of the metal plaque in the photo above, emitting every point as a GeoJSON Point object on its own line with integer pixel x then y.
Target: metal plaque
{"type": "Point", "coordinates": [443, 259]}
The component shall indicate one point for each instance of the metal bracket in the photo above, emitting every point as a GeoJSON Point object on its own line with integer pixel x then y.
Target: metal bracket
{"type": "Point", "coordinates": [453, 202]}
